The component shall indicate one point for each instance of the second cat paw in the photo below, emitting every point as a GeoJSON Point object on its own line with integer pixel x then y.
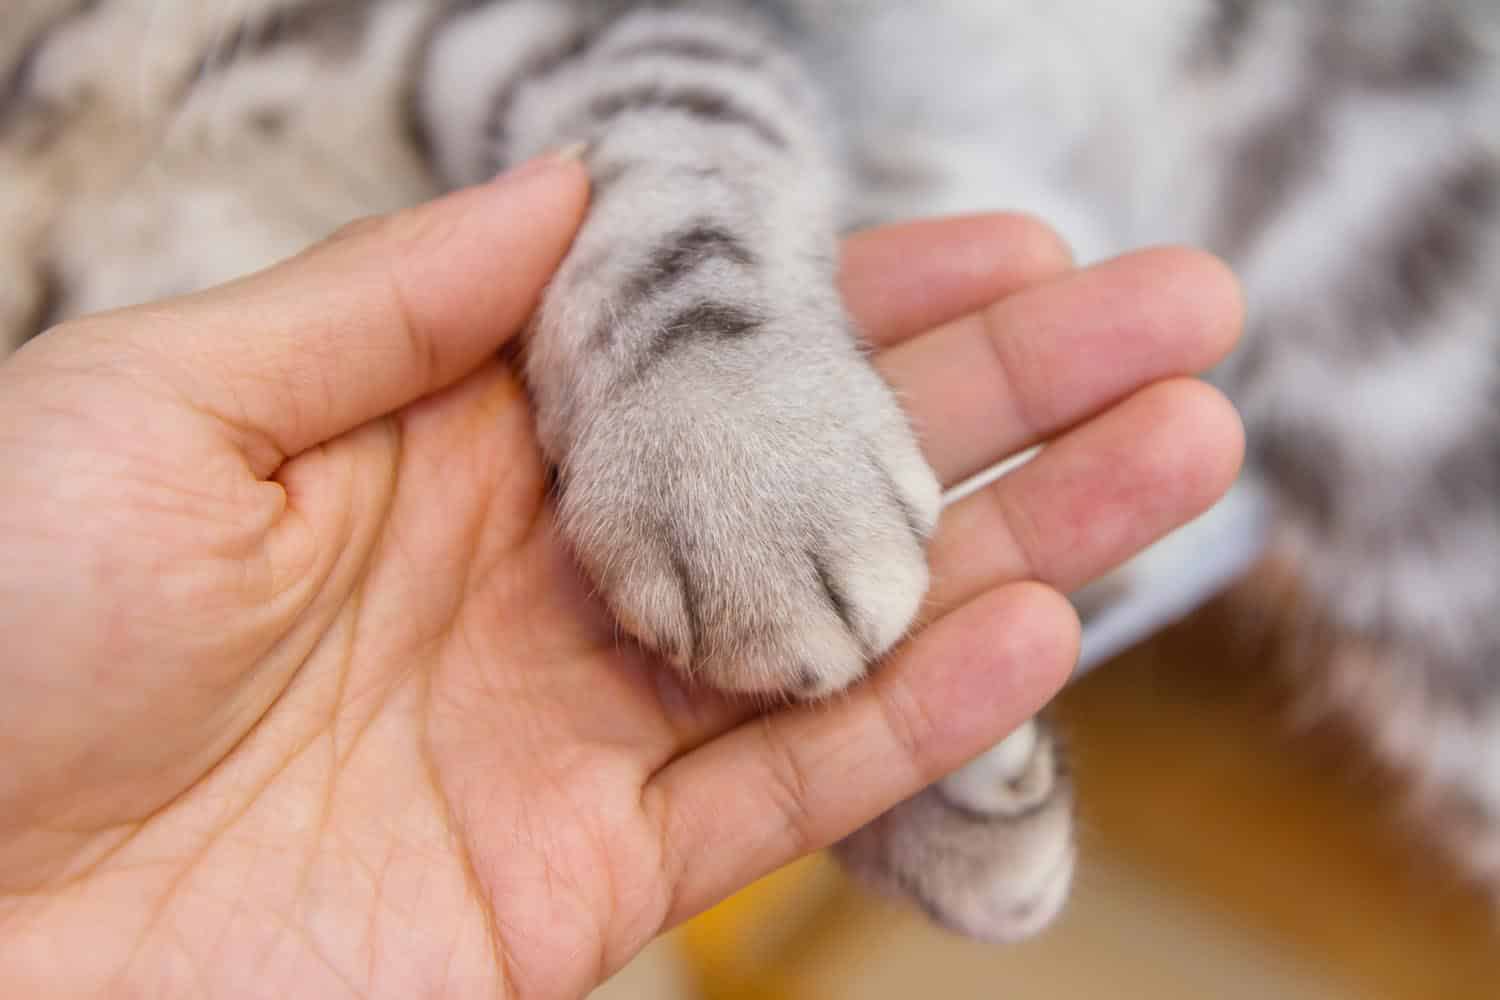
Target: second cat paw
{"type": "Point", "coordinates": [988, 851]}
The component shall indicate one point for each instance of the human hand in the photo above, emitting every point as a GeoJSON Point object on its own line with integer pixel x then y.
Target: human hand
{"type": "Point", "coordinates": [302, 696]}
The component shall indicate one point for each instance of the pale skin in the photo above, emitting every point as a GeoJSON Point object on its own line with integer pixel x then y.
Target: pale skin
{"type": "Point", "coordinates": [302, 697]}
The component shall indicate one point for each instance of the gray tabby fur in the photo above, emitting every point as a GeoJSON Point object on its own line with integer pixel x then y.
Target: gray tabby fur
{"type": "Point", "coordinates": [733, 475]}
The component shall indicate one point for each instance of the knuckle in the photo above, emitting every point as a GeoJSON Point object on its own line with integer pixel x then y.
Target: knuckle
{"type": "Point", "coordinates": [912, 729]}
{"type": "Point", "coordinates": [789, 792]}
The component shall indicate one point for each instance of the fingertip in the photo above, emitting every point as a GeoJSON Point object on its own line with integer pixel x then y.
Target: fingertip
{"type": "Point", "coordinates": [552, 190]}
{"type": "Point", "coordinates": [1223, 436]}
{"type": "Point", "coordinates": [1207, 439]}
{"type": "Point", "coordinates": [993, 663]}
{"type": "Point", "coordinates": [1209, 294]}
{"type": "Point", "coordinates": [1223, 301]}
{"type": "Point", "coordinates": [473, 265]}
{"type": "Point", "coordinates": [1050, 638]}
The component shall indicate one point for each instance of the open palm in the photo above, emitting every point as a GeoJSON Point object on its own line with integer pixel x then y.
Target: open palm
{"type": "Point", "coordinates": [303, 697]}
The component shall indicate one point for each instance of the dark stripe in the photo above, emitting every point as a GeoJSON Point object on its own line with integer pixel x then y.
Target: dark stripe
{"type": "Point", "coordinates": [682, 254]}
{"type": "Point", "coordinates": [702, 242]}
{"type": "Point", "coordinates": [545, 61]}
{"type": "Point", "coordinates": [1223, 40]}
{"type": "Point", "coordinates": [690, 600]}
{"type": "Point", "coordinates": [1441, 53]}
{"type": "Point", "coordinates": [747, 51]}
{"type": "Point", "coordinates": [704, 321]}
{"type": "Point", "coordinates": [413, 117]}
{"type": "Point", "coordinates": [719, 321]}
{"type": "Point", "coordinates": [1273, 161]}
{"type": "Point", "coordinates": [1440, 250]}
{"type": "Point", "coordinates": [18, 82]}
{"type": "Point", "coordinates": [716, 321]}
{"type": "Point", "coordinates": [1305, 466]}
{"type": "Point", "coordinates": [1276, 157]}
{"type": "Point", "coordinates": [688, 49]}
{"type": "Point", "coordinates": [270, 122]}
{"type": "Point", "coordinates": [605, 177]}
{"type": "Point", "coordinates": [538, 67]}
{"type": "Point", "coordinates": [1466, 477]}
{"type": "Point", "coordinates": [834, 594]}
{"type": "Point", "coordinates": [417, 132]}
{"type": "Point", "coordinates": [1444, 55]}
{"type": "Point", "coordinates": [1396, 291]}
{"type": "Point", "coordinates": [703, 104]}
{"type": "Point", "coordinates": [336, 28]}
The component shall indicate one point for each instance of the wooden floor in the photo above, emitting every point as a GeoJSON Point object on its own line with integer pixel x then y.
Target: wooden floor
{"type": "Point", "coordinates": [1193, 774]}
{"type": "Point", "coordinates": [1225, 856]}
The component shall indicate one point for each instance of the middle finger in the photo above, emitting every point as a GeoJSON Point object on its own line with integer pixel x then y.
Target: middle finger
{"type": "Point", "coordinates": [1042, 360]}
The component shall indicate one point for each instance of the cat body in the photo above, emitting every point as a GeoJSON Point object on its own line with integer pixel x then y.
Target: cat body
{"type": "Point", "coordinates": [692, 358]}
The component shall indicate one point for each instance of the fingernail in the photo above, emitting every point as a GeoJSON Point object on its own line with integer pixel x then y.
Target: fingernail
{"type": "Point", "coordinates": [547, 161]}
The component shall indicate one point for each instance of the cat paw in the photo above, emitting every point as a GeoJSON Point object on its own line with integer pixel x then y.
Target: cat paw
{"type": "Point", "coordinates": [988, 851]}
{"type": "Point", "coordinates": [753, 505]}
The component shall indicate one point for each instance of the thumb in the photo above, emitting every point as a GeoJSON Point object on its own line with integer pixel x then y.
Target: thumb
{"type": "Point", "coordinates": [386, 311]}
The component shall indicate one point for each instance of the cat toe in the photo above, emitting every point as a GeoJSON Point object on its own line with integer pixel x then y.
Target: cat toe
{"type": "Point", "coordinates": [774, 545]}
{"type": "Point", "coordinates": [1011, 779]}
{"type": "Point", "coordinates": [989, 852]}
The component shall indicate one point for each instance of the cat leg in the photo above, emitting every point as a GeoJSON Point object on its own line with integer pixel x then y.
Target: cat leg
{"type": "Point", "coordinates": [733, 475]}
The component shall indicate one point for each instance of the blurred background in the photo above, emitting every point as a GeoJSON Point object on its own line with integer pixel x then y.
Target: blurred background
{"type": "Point", "coordinates": [1231, 848]}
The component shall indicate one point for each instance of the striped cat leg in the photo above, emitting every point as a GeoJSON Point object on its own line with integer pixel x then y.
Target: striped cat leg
{"type": "Point", "coordinates": [733, 475]}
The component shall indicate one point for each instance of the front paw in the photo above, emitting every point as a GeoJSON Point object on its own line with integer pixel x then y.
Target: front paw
{"type": "Point", "coordinates": [755, 508]}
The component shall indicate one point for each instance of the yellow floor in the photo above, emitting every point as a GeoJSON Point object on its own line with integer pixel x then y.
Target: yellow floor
{"type": "Point", "coordinates": [1225, 856]}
